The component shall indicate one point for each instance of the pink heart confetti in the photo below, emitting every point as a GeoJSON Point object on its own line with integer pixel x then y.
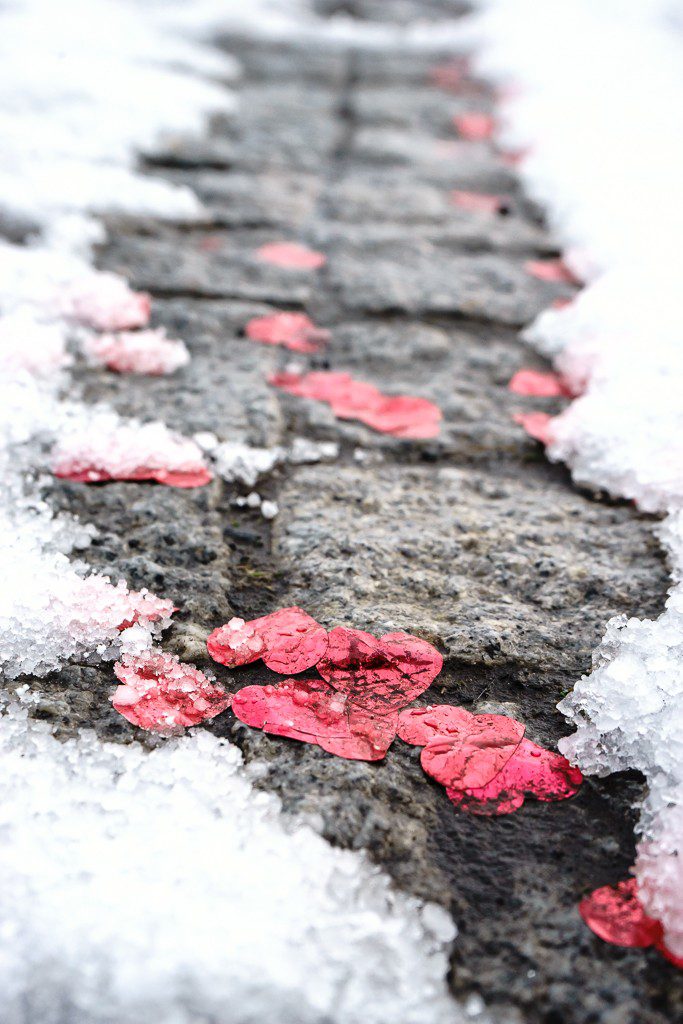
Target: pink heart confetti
{"type": "Point", "coordinates": [379, 674]}
{"type": "Point", "coordinates": [161, 694]}
{"type": "Point", "coordinates": [292, 255]}
{"type": "Point", "coordinates": [311, 711]}
{"type": "Point", "coordinates": [531, 771]}
{"type": "Point", "coordinates": [403, 416]}
{"type": "Point", "coordinates": [475, 126]}
{"type": "Point", "coordinates": [537, 425]}
{"type": "Point", "coordinates": [550, 270]}
{"type": "Point", "coordinates": [289, 641]}
{"type": "Point", "coordinates": [294, 331]}
{"type": "Point", "coordinates": [538, 384]}
{"type": "Point", "coordinates": [477, 202]}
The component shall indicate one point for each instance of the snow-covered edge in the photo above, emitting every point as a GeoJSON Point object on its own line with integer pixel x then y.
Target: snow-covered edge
{"type": "Point", "coordinates": [596, 102]}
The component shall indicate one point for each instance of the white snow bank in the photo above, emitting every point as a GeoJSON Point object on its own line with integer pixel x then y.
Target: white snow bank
{"type": "Point", "coordinates": [141, 886]}
{"type": "Point", "coordinates": [598, 94]}
{"type": "Point", "coordinates": [160, 887]}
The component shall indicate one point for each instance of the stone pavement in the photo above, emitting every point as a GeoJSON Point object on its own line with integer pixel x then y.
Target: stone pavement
{"type": "Point", "coordinates": [471, 540]}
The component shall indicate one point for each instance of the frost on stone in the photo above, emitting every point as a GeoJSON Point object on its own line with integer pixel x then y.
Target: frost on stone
{"type": "Point", "coordinates": [288, 640]}
{"type": "Point", "coordinates": [475, 126]}
{"type": "Point", "coordinates": [484, 761]}
{"type": "Point", "coordinates": [311, 711]}
{"type": "Point", "coordinates": [478, 202]}
{"type": "Point", "coordinates": [230, 906]}
{"type": "Point", "coordinates": [290, 255]}
{"type": "Point", "coordinates": [160, 693]}
{"type": "Point", "coordinates": [101, 446]}
{"type": "Point", "coordinates": [379, 674]}
{"type": "Point", "coordinates": [294, 331]}
{"type": "Point", "coordinates": [403, 416]}
{"type": "Point", "coordinates": [145, 352]}
{"type": "Point", "coordinates": [615, 913]}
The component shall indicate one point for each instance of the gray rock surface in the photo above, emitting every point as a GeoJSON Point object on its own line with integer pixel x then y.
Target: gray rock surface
{"type": "Point", "coordinates": [470, 540]}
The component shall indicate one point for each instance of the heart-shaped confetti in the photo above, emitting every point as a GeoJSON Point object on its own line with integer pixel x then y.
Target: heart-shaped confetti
{"type": "Point", "coordinates": [289, 641]}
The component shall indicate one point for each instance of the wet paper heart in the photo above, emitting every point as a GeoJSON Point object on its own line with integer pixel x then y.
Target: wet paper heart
{"type": "Point", "coordinates": [550, 270]}
{"type": "Point", "coordinates": [474, 755]}
{"type": "Point", "coordinates": [531, 771]}
{"type": "Point", "coordinates": [403, 416]}
{"type": "Point", "coordinates": [420, 725]}
{"type": "Point", "coordinates": [379, 674]}
{"type": "Point", "coordinates": [290, 255]}
{"type": "Point", "coordinates": [289, 641]}
{"type": "Point", "coordinates": [474, 126]}
{"type": "Point", "coordinates": [311, 711]}
{"type": "Point", "coordinates": [294, 331]}
{"type": "Point", "coordinates": [160, 693]}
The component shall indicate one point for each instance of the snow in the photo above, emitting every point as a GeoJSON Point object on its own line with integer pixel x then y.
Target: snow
{"type": "Point", "coordinates": [159, 886]}
{"type": "Point", "coordinates": [141, 884]}
{"type": "Point", "coordinates": [597, 115]}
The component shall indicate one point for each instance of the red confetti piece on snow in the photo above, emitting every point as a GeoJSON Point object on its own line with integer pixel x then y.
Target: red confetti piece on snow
{"type": "Point", "coordinates": [550, 270]}
{"type": "Point", "coordinates": [449, 75]}
{"type": "Point", "coordinates": [531, 771]}
{"type": "Point", "coordinates": [537, 425]}
{"type": "Point", "coordinates": [170, 477]}
{"type": "Point", "coordinates": [292, 330]}
{"type": "Point", "coordinates": [311, 711]}
{"type": "Point", "coordinates": [379, 674]}
{"type": "Point", "coordinates": [403, 416]}
{"type": "Point", "coordinates": [476, 756]}
{"type": "Point", "coordinates": [537, 384]}
{"type": "Point", "coordinates": [289, 641]}
{"type": "Point", "coordinates": [475, 126]}
{"type": "Point", "coordinates": [478, 202]}
{"type": "Point", "coordinates": [291, 254]}
{"type": "Point", "coordinates": [160, 693]}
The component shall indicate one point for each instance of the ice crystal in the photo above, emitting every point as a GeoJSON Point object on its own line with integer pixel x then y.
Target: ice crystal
{"type": "Point", "coordinates": [147, 352]}
{"type": "Point", "coordinates": [102, 446]}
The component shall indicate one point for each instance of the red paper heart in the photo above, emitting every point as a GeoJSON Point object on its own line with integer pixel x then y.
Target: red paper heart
{"type": "Point", "coordinates": [290, 254]}
{"type": "Point", "coordinates": [532, 770]}
{"type": "Point", "coordinates": [160, 693]}
{"type": "Point", "coordinates": [288, 640]}
{"type": "Point", "coordinates": [420, 725]}
{"type": "Point", "coordinates": [379, 674]}
{"type": "Point", "coordinates": [294, 331]}
{"type": "Point", "coordinates": [473, 756]}
{"type": "Point", "coordinates": [537, 384]}
{"type": "Point", "coordinates": [311, 711]}
{"type": "Point", "coordinates": [537, 425]}
{"type": "Point", "coordinates": [474, 126]}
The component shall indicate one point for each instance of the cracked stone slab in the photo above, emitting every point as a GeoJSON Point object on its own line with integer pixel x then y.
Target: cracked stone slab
{"type": "Point", "coordinates": [207, 265]}
{"type": "Point", "coordinates": [423, 279]}
{"type": "Point", "coordinates": [497, 571]}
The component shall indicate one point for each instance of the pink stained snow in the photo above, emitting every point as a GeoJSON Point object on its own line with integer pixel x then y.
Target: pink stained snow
{"type": "Point", "coordinates": [104, 302]}
{"type": "Point", "coordinates": [403, 416]}
{"type": "Point", "coordinates": [145, 352]}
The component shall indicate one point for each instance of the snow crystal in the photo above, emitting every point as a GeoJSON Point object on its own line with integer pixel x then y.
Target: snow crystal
{"type": "Point", "coordinates": [236, 461]}
{"type": "Point", "coordinates": [604, 159]}
{"type": "Point", "coordinates": [100, 445]}
{"type": "Point", "coordinates": [117, 906]}
{"type": "Point", "coordinates": [147, 352]}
